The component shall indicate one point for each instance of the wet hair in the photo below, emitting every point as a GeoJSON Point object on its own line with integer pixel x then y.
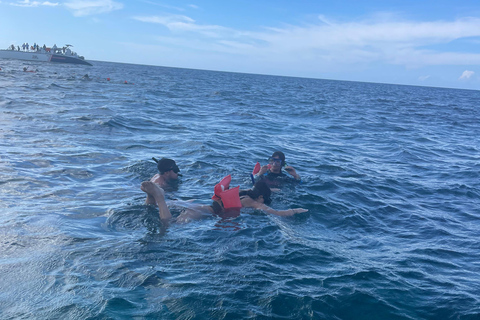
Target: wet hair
{"type": "Point", "coordinates": [259, 189]}
{"type": "Point", "coordinates": [281, 155]}
{"type": "Point", "coordinates": [165, 165]}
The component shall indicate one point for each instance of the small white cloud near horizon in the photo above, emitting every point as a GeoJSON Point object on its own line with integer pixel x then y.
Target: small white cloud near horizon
{"type": "Point", "coordinates": [27, 3]}
{"type": "Point", "coordinates": [467, 74]}
{"type": "Point", "coordinates": [182, 23]}
{"type": "Point", "coordinates": [423, 78]}
{"type": "Point", "coordinates": [86, 8]}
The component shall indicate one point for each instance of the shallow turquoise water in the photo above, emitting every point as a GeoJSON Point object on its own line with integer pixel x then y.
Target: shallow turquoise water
{"type": "Point", "coordinates": [390, 175]}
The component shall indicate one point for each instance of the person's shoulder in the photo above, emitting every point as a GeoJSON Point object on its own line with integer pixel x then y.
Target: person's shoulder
{"type": "Point", "coordinates": [157, 179]}
{"type": "Point", "coordinates": [248, 202]}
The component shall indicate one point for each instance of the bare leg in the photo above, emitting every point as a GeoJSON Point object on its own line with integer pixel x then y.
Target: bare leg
{"type": "Point", "coordinates": [158, 195]}
{"type": "Point", "coordinates": [195, 213]}
{"type": "Point", "coordinates": [150, 199]}
{"type": "Point", "coordinates": [158, 180]}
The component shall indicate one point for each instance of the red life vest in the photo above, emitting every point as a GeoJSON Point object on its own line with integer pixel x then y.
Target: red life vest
{"type": "Point", "coordinates": [230, 197]}
{"type": "Point", "coordinates": [256, 169]}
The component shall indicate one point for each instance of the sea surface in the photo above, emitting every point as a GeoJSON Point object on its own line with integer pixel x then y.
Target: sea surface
{"type": "Point", "coordinates": [390, 178]}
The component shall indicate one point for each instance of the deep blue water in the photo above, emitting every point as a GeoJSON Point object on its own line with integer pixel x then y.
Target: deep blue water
{"type": "Point", "coordinates": [390, 175]}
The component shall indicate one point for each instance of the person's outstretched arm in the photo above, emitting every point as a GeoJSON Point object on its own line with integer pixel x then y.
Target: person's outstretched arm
{"type": "Point", "coordinates": [282, 213]}
{"type": "Point", "coordinates": [250, 203]}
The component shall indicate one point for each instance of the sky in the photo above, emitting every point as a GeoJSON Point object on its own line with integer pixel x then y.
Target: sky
{"type": "Point", "coordinates": [427, 43]}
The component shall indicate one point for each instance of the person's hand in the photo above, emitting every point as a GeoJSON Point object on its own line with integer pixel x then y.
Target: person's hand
{"type": "Point", "coordinates": [298, 210]}
{"type": "Point", "coordinates": [291, 170]}
{"type": "Point", "coordinates": [263, 170]}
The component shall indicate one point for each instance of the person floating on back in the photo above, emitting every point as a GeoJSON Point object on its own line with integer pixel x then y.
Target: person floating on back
{"type": "Point", "coordinates": [258, 197]}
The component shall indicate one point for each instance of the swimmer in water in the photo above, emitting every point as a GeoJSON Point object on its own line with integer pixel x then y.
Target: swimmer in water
{"type": "Point", "coordinates": [272, 173]}
{"type": "Point", "coordinates": [257, 198]}
{"type": "Point", "coordinates": [168, 175]}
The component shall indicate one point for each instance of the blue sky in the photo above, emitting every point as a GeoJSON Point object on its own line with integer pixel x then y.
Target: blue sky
{"type": "Point", "coordinates": [429, 43]}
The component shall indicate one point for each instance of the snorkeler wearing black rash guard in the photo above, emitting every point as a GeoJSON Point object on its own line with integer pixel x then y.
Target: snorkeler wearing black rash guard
{"type": "Point", "coordinates": [272, 173]}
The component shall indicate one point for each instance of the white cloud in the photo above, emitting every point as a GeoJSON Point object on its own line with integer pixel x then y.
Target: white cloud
{"type": "Point", "coordinates": [163, 5]}
{"type": "Point", "coordinates": [381, 39]}
{"type": "Point", "coordinates": [467, 74]}
{"type": "Point", "coordinates": [169, 21]}
{"type": "Point", "coordinates": [28, 3]}
{"type": "Point", "coordinates": [324, 19]}
{"type": "Point", "coordinates": [181, 23]}
{"type": "Point", "coordinates": [85, 8]}
{"type": "Point", "coordinates": [423, 78]}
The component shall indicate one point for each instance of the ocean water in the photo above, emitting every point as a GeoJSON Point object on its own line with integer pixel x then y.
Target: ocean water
{"type": "Point", "coordinates": [390, 176]}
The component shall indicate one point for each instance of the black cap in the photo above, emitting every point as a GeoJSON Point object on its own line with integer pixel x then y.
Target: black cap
{"type": "Point", "coordinates": [164, 165]}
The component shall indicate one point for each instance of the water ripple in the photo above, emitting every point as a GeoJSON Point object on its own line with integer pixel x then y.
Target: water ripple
{"type": "Point", "coordinates": [389, 175]}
